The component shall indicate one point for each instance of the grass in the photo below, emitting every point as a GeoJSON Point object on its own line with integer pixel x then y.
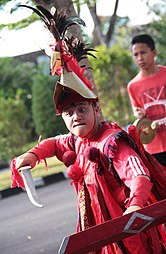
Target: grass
{"type": "Point", "coordinates": [54, 166]}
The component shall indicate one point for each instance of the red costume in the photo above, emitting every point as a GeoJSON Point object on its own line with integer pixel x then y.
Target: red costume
{"type": "Point", "coordinates": [109, 171]}
{"type": "Point", "coordinates": [104, 187]}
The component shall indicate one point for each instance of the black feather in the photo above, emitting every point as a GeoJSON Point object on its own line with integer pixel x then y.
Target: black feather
{"type": "Point", "coordinates": [45, 12]}
{"type": "Point", "coordinates": [58, 23]}
{"type": "Point", "coordinates": [70, 21]}
{"type": "Point", "coordinates": [35, 10]}
{"type": "Point", "coordinates": [78, 48]}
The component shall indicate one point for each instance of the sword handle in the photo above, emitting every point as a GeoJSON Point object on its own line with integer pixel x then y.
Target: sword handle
{"type": "Point", "coordinates": [24, 167]}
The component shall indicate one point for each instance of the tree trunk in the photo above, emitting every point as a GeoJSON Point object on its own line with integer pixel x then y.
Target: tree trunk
{"type": "Point", "coordinates": [98, 36]}
{"type": "Point", "coordinates": [112, 25]}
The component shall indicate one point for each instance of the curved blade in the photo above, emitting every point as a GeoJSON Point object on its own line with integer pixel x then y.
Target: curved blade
{"type": "Point", "coordinates": [29, 186]}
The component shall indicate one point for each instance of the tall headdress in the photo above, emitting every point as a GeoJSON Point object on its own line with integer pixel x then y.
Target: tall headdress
{"type": "Point", "coordinates": [67, 52]}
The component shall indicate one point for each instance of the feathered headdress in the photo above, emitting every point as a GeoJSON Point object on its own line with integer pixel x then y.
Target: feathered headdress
{"type": "Point", "coordinates": [66, 53]}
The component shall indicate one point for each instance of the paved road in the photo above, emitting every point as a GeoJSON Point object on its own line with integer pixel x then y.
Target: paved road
{"type": "Point", "coordinates": [25, 229]}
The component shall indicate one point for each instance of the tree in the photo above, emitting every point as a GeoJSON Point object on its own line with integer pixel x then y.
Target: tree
{"type": "Point", "coordinates": [100, 37]}
{"type": "Point", "coordinates": [13, 130]}
{"type": "Point", "coordinates": [43, 109]}
{"type": "Point", "coordinates": [16, 83]}
{"type": "Point", "coordinates": [69, 5]}
{"type": "Point", "coordinates": [112, 73]}
{"type": "Point", "coordinates": [158, 30]}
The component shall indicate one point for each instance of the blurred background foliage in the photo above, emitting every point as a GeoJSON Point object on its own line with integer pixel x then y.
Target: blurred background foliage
{"type": "Point", "coordinates": [113, 69]}
{"type": "Point", "coordinates": [13, 130]}
{"type": "Point", "coordinates": [43, 109]}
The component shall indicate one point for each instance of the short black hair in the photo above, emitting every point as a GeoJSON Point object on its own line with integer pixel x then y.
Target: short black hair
{"type": "Point", "coordinates": [144, 38]}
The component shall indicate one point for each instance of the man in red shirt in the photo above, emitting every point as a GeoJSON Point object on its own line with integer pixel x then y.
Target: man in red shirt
{"type": "Point", "coordinates": [147, 92]}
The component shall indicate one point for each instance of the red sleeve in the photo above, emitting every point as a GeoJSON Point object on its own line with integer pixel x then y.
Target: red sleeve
{"type": "Point", "coordinates": [128, 164]}
{"type": "Point", "coordinates": [53, 147]}
{"type": "Point", "coordinates": [133, 99]}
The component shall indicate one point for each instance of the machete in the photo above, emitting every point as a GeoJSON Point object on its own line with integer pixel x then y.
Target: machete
{"type": "Point", "coordinates": [29, 186]}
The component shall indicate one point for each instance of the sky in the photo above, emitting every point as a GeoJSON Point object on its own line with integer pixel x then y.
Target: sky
{"type": "Point", "coordinates": [36, 37]}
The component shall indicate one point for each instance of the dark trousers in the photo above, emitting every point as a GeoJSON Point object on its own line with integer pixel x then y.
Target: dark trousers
{"type": "Point", "coordinates": [161, 158]}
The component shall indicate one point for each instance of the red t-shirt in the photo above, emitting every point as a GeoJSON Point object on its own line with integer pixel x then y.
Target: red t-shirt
{"type": "Point", "coordinates": [149, 92]}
